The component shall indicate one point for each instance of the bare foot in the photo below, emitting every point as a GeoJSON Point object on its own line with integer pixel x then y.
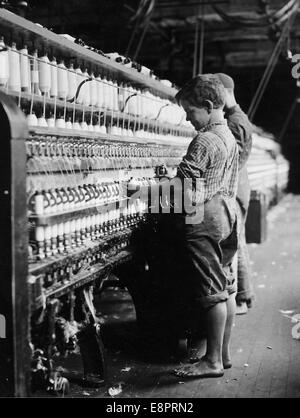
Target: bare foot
{"type": "Point", "coordinates": [226, 358]}
{"type": "Point", "coordinates": [226, 361]}
{"type": "Point", "coordinates": [203, 368]}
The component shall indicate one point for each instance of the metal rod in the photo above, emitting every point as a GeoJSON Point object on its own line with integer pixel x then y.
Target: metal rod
{"type": "Point", "coordinates": [205, 3]}
{"type": "Point", "coordinates": [287, 121]}
{"type": "Point", "coordinates": [196, 48]}
{"type": "Point", "coordinates": [141, 39]}
{"type": "Point", "coordinates": [137, 23]}
{"type": "Point", "coordinates": [201, 50]}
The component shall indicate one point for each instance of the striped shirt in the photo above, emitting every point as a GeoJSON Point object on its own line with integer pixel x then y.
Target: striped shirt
{"type": "Point", "coordinates": [212, 156]}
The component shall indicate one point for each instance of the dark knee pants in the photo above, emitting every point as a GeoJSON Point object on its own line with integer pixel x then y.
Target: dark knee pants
{"type": "Point", "coordinates": [205, 252]}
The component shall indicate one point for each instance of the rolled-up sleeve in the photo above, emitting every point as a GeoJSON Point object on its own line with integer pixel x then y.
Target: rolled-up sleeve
{"type": "Point", "coordinates": [196, 160]}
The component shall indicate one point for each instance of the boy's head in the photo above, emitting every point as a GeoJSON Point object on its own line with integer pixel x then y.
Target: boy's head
{"type": "Point", "coordinates": [228, 83]}
{"type": "Point", "coordinates": [202, 97]}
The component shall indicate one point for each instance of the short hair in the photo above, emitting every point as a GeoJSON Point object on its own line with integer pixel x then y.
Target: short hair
{"type": "Point", "coordinates": [226, 80]}
{"type": "Point", "coordinates": [202, 88]}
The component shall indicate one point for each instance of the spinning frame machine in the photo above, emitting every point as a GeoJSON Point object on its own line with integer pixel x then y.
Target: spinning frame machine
{"type": "Point", "coordinates": [78, 131]}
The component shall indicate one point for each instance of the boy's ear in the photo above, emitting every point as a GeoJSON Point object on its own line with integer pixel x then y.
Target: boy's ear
{"type": "Point", "coordinates": [208, 105]}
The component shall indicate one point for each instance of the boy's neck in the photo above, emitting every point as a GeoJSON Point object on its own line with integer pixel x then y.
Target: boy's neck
{"type": "Point", "coordinates": [217, 116]}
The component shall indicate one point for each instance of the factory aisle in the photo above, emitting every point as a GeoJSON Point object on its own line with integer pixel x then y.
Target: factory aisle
{"type": "Point", "coordinates": [265, 354]}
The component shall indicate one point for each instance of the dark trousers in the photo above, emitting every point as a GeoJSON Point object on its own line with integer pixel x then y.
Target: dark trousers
{"type": "Point", "coordinates": [244, 281]}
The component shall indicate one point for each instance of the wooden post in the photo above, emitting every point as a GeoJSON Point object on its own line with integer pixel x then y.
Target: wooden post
{"type": "Point", "coordinates": [14, 300]}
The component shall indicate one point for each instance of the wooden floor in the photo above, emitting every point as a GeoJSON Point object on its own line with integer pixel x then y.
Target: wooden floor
{"type": "Point", "coordinates": [265, 355]}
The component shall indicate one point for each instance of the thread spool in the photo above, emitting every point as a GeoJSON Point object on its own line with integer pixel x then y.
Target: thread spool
{"type": "Point", "coordinates": [121, 96]}
{"type": "Point", "coordinates": [139, 99]}
{"type": "Point", "coordinates": [24, 69]}
{"type": "Point", "coordinates": [106, 99]}
{"type": "Point", "coordinates": [113, 130]}
{"type": "Point", "coordinates": [93, 90]}
{"type": "Point", "coordinates": [53, 201]}
{"type": "Point", "coordinates": [4, 63]}
{"type": "Point", "coordinates": [48, 235]}
{"type": "Point", "coordinates": [79, 79]}
{"type": "Point", "coordinates": [131, 101]}
{"type": "Point", "coordinates": [93, 227]}
{"type": "Point", "coordinates": [103, 129]}
{"type": "Point", "coordinates": [14, 81]}
{"type": "Point", "coordinates": [72, 82]}
{"type": "Point", "coordinates": [32, 119]}
{"type": "Point", "coordinates": [34, 73]}
{"type": "Point", "coordinates": [44, 75]}
{"type": "Point", "coordinates": [86, 88]}
{"type": "Point", "coordinates": [54, 233]}
{"type": "Point", "coordinates": [96, 128]}
{"type": "Point", "coordinates": [76, 126]}
{"type": "Point", "coordinates": [69, 124]}
{"type": "Point", "coordinates": [73, 232]}
{"type": "Point", "coordinates": [42, 122]}
{"type": "Point", "coordinates": [29, 75]}
{"type": "Point", "coordinates": [47, 200]}
{"type": "Point", "coordinates": [84, 126]}
{"type": "Point", "coordinates": [40, 237]}
{"type": "Point", "coordinates": [77, 231]}
{"type": "Point", "coordinates": [126, 94]}
{"type": "Point", "coordinates": [146, 104]}
{"type": "Point", "coordinates": [88, 226]}
{"type": "Point", "coordinates": [53, 71]}
{"type": "Point", "coordinates": [115, 88]}
{"type": "Point", "coordinates": [83, 228]}
{"type": "Point", "coordinates": [111, 95]}
{"type": "Point", "coordinates": [60, 123]}
{"type": "Point", "coordinates": [51, 121]}
{"type": "Point", "coordinates": [97, 223]}
{"type": "Point", "coordinates": [62, 81]}
{"type": "Point", "coordinates": [65, 199]}
{"type": "Point", "coordinates": [38, 203]}
{"type": "Point", "coordinates": [60, 238]}
{"type": "Point", "coordinates": [67, 237]}
{"type": "Point", "coordinates": [100, 92]}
